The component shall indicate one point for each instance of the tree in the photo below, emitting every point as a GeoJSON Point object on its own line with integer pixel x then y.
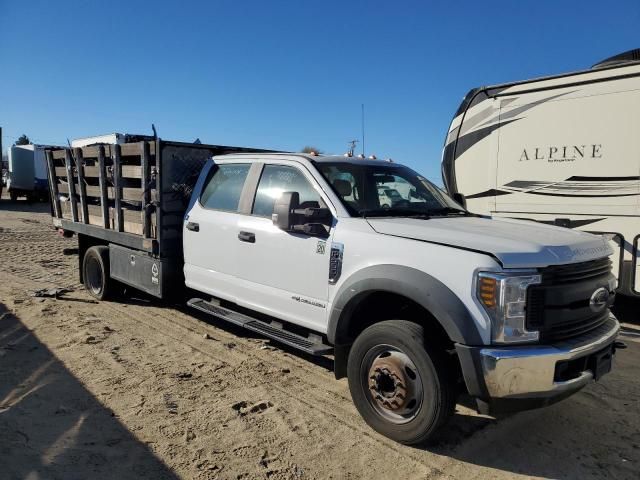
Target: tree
{"type": "Point", "coordinates": [23, 140]}
{"type": "Point", "coordinates": [309, 149]}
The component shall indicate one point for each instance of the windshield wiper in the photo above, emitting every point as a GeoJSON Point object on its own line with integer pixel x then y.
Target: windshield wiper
{"type": "Point", "coordinates": [447, 211]}
{"type": "Point", "coordinates": [393, 212]}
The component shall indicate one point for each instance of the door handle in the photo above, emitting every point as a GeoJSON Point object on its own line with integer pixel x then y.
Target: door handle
{"type": "Point", "coordinates": [248, 237]}
{"type": "Point", "coordinates": [193, 226]}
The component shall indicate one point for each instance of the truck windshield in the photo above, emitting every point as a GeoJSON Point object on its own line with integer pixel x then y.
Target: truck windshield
{"type": "Point", "coordinates": [387, 191]}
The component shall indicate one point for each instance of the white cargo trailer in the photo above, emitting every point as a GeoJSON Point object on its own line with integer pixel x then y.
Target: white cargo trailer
{"type": "Point", "coordinates": [27, 172]}
{"type": "Point", "coordinates": [562, 150]}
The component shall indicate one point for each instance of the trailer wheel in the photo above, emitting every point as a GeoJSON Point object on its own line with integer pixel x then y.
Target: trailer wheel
{"type": "Point", "coordinates": [13, 195]}
{"type": "Point", "coordinates": [402, 386]}
{"type": "Point", "coordinates": [95, 272]}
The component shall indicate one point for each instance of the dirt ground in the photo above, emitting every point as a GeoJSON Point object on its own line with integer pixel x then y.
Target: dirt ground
{"type": "Point", "coordinates": [134, 389]}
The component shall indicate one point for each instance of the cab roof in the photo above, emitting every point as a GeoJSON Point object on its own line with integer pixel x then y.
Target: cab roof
{"type": "Point", "coordinates": [311, 158]}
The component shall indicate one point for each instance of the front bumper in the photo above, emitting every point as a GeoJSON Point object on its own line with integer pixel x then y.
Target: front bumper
{"type": "Point", "coordinates": [512, 378]}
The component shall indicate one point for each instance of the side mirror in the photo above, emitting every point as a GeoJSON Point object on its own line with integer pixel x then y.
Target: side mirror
{"type": "Point", "coordinates": [458, 197]}
{"type": "Point", "coordinates": [283, 216]}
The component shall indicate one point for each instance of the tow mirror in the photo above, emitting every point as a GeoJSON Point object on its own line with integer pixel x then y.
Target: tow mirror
{"type": "Point", "coordinates": [458, 197]}
{"type": "Point", "coordinates": [283, 215]}
{"type": "Point", "coordinates": [288, 216]}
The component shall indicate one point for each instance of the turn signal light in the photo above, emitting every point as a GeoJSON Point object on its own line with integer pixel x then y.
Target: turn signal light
{"type": "Point", "coordinates": [488, 291]}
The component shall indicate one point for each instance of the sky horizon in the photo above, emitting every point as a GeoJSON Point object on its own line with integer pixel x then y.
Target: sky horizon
{"type": "Point", "coordinates": [284, 74]}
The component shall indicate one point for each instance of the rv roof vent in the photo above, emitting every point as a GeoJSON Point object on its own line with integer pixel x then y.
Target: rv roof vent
{"type": "Point", "coordinates": [620, 59]}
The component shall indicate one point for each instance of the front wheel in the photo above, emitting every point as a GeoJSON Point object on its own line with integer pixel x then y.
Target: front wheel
{"type": "Point", "coordinates": [401, 386]}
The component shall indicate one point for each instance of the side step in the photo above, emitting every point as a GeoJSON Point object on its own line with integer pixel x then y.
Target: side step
{"type": "Point", "coordinates": [274, 332]}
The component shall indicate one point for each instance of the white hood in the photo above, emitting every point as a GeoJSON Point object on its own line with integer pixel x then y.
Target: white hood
{"type": "Point", "coordinates": [515, 243]}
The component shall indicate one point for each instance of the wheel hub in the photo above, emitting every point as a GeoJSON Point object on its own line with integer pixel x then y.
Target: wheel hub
{"type": "Point", "coordinates": [388, 383]}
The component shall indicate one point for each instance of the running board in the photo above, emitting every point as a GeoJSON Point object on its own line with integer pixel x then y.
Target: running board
{"type": "Point", "coordinates": [268, 330]}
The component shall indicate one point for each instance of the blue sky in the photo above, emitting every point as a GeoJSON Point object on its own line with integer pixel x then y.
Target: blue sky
{"type": "Point", "coordinates": [284, 74]}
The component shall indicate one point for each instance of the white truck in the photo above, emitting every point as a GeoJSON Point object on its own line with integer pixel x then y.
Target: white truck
{"type": "Point", "coordinates": [418, 301]}
{"type": "Point", "coordinates": [562, 150]}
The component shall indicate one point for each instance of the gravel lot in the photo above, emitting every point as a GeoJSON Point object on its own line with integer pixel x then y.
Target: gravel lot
{"type": "Point", "coordinates": [134, 389]}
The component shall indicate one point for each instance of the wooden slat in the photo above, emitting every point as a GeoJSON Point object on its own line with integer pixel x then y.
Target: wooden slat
{"type": "Point", "coordinates": [130, 149]}
{"type": "Point", "coordinates": [127, 149]}
{"type": "Point", "coordinates": [94, 150]}
{"type": "Point", "coordinates": [102, 188]}
{"type": "Point", "coordinates": [135, 149]}
{"type": "Point", "coordinates": [130, 215]}
{"type": "Point", "coordinates": [53, 185]}
{"type": "Point", "coordinates": [131, 194]}
{"type": "Point", "coordinates": [128, 171]}
{"type": "Point", "coordinates": [72, 186]}
{"type": "Point", "coordinates": [117, 180]}
{"type": "Point", "coordinates": [146, 197]}
{"type": "Point", "coordinates": [82, 185]}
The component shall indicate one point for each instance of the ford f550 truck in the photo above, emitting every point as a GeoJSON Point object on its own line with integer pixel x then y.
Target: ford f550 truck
{"type": "Point", "coordinates": [417, 299]}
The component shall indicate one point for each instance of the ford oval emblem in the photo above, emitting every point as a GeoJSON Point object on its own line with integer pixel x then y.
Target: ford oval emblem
{"type": "Point", "coordinates": [599, 299]}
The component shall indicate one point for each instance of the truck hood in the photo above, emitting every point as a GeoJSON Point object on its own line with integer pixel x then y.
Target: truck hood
{"type": "Point", "coordinates": [514, 243]}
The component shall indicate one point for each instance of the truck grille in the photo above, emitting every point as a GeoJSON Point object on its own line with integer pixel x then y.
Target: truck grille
{"type": "Point", "coordinates": [559, 307]}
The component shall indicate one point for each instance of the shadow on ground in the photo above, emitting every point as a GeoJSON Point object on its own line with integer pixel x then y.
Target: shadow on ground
{"type": "Point", "coordinates": [22, 205]}
{"type": "Point", "coordinates": [51, 426]}
{"type": "Point", "coordinates": [593, 434]}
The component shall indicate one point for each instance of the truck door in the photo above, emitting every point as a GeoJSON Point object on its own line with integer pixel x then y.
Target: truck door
{"type": "Point", "coordinates": [210, 232]}
{"type": "Point", "coordinates": [283, 274]}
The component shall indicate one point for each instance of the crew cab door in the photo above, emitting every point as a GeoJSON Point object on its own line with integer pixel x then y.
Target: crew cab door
{"type": "Point", "coordinates": [283, 274]}
{"type": "Point", "coordinates": [210, 231]}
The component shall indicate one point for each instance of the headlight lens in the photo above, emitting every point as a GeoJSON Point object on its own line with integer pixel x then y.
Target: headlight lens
{"type": "Point", "coordinates": [504, 297]}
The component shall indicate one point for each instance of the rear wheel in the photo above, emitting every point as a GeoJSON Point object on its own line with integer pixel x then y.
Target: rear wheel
{"type": "Point", "coordinates": [13, 195]}
{"type": "Point", "coordinates": [401, 386]}
{"type": "Point", "coordinates": [95, 272]}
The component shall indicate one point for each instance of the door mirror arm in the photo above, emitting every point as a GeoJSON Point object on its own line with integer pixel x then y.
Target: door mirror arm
{"type": "Point", "coordinates": [459, 198]}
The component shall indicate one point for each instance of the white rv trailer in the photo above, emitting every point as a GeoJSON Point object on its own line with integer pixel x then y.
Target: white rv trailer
{"type": "Point", "coordinates": [562, 150]}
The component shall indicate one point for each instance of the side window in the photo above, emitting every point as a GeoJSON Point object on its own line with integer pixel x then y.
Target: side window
{"type": "Point", "coordinates": [275, 180]}
{"type": "Point", "coordinates": [225, 187]}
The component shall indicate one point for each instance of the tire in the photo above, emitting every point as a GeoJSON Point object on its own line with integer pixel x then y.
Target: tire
{"type": "Point", "coordinates": [13, 195]}
{"type": "Point", "coordinates": [95, 272]}
{"type": "Point", "coordinates": [402, 386]}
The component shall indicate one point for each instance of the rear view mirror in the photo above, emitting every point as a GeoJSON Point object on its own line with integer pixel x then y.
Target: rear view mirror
{"type": "Point", "coordinates": [288, 216]}
{"type": "Point", "coordinates": [283, 215]}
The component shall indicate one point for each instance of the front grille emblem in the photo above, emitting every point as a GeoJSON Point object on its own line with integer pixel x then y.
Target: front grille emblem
{"type": "Point", "coordinates": [599, 299]}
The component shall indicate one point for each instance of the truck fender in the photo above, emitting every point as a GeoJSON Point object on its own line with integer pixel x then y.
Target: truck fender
{"type": "Point", "coordinates": [427, 291]}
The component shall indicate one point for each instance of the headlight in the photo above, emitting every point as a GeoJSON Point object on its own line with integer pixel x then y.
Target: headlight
{"type": "Point", "coordinates": [504, 297]}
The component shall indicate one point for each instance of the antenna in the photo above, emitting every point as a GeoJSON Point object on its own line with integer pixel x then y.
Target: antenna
{"type": "Point", "coordinates": [362, 129]}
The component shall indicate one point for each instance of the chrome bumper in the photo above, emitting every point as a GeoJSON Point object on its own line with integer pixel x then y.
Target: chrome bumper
{"type": "Point", "coordinates": [529, 371]}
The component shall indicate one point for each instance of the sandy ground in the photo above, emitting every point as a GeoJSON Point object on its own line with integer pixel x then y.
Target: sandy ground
{"type": "Point", "coordinates": [133, 389]}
